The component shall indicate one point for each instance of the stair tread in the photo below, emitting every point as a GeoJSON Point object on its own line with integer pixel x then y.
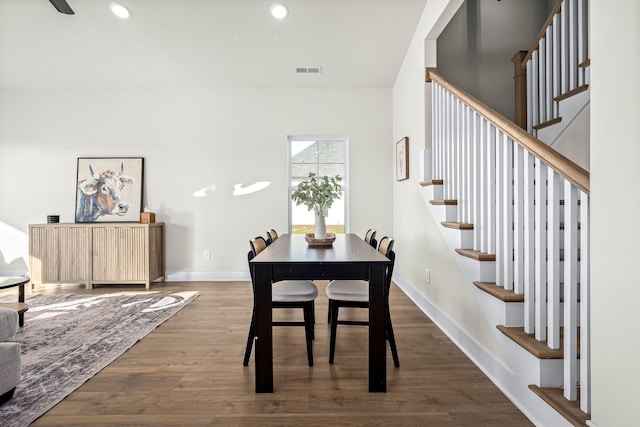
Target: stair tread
{"type": "Point", "coordinates": [477, 255]}
{"type": "Point", "coordinates": [584, 64]}
{"type": "Point", "coordinates": [499, 292]}
{"type": "Point", "coordinates": [547, 123]}
{"type": "Point", "coordinates": [432, 182]}
{"type": "Point", "coordinates": [532, 345]}
{"type": "Point", "coordinates": [449, 202]}
{"type": "Point", "coordinates": [529, 343]}
{"type": "Point", "coordinates": [457, 225]}
{"type": "Point", "coordinates": [572, 92]}
{"type": "Point", "coordinates": [568, 409]}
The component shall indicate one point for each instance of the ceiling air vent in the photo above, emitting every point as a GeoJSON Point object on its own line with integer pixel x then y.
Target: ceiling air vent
{"type": "Point", "coordinates": [308, 70]}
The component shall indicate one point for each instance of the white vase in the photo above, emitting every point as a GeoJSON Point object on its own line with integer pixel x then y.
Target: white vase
{"type": "Point", "coordinates": [321, 228]}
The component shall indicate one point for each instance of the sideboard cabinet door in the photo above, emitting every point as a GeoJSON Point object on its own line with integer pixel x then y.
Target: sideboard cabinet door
{"type": "Point", "coordinates": [119, 254]}
{"type": "Point", "coordinates": [58, 254]}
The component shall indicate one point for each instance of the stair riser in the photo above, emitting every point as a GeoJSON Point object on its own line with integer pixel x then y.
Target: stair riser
{"type": "Point", "coordinates": [499, 312]}
{"type": "Point", "coordinates": [461, 239]}
{"type": "Point", "coordinates": [472, 269]}
{"type": "Point", "coordinates": [541, 372]}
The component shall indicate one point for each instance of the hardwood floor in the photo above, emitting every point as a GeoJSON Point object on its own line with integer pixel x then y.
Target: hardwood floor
{"type": "Point", "coordinates": [188, 372]}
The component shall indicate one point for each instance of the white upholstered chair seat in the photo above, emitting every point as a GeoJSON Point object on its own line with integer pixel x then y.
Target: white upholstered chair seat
{"type": "Point", "coordinates": [348, 290]}
{"type": "Point", "coordinates": [285, 294]}
{"type": "Point", "coordinates": [294, 290]}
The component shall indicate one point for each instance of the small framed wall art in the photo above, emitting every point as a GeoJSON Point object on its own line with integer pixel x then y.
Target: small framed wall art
{"type": "Point", "coordinates": [402, 159]}
{"type": "Point", "coordinates": [109, 189]}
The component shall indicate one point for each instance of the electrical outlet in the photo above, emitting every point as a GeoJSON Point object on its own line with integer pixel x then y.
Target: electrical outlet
{"type": "Point", "coordinates": [427, 276]}
{"type": "Point", "coordinates": [206, 254]}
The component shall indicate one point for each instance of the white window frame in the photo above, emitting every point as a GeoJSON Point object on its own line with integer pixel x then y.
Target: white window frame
{"type": "Point", "coordinates": [345, 178]}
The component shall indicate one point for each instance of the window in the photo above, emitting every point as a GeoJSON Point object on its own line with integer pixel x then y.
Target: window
{"type": "Point", "coordinates": [322, 156]}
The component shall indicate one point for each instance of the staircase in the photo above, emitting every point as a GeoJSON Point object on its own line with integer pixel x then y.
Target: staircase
{"type": "Point", "coordinates": [516, 212]}
{"type": "Point", "coordinates": [557, 67]}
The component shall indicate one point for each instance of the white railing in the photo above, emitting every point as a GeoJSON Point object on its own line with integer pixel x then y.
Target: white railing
{"type": "Point", "coordinates": [555, 63]}
{"type": "Point", "coordinates": [530, 207]}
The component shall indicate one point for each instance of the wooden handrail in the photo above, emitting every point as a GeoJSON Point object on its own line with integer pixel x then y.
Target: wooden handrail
{"type": "Point", "coordinates": [556, 161]}
{"type": "Point", "coordinates": [543, 32]}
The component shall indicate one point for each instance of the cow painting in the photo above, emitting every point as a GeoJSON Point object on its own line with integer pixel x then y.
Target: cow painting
{"type": "Point", "coordinates": [101, 195]}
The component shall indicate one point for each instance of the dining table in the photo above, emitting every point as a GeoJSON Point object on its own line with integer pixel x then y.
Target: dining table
{"type": "Point", "coordinates": [292, 257]}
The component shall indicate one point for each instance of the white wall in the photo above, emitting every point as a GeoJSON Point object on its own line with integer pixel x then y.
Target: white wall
{"type": "Point", "coordinates": [419, 242]}
{"type": "Point", "coordinates": [476, 47]}
{"type": "Point", "coordinates": [190, 140]}
{"type": "Point", "coordinates": [615, 203]}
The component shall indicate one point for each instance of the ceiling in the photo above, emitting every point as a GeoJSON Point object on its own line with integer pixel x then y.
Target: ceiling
{"type": "Point", "coordinates": [204, 43]}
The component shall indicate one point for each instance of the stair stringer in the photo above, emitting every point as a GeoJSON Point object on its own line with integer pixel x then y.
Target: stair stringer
{"type": "Point", "coordinates": [568, 109]}
{"type": "Point", "coordinates": [524, 368]}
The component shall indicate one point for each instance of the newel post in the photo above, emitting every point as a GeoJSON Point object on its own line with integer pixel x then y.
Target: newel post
{"type": "Point", "coordinates": [520, 92]}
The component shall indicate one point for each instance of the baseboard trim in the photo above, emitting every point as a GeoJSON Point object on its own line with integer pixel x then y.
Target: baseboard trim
{"type": "Point", "coordinates": [498, 373]}
{"type": "Point", "coordinates": [208, 276]}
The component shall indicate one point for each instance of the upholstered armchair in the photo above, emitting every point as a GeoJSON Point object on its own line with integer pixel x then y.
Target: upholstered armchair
{"type": "Point", "coordinates": [9, 354]}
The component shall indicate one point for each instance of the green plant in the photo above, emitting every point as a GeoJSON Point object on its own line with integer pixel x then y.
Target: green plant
{"type": "Point", "coordinates": [318, 193]}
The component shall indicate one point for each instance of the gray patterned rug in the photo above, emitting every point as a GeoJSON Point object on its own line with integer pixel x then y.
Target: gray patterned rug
{"type": "Point", "coordinates": [66, 339]}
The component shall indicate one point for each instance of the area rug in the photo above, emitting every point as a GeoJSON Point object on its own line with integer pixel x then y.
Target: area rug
{"type": "Point", "coordinates": [66, 339]}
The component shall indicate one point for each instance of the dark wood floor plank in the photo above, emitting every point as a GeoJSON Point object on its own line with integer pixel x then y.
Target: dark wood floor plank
{"type": "Point", "coordinates": [189, 371]}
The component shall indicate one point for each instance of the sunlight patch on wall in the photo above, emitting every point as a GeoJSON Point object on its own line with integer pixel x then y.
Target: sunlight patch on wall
{"type": "Point", "coordinates": [239, 190]}
{"type": "Point", "coordinates": [14, 249]}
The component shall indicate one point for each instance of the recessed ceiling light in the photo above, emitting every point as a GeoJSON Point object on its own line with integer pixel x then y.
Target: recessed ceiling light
{"type": "Point", "coordinates": [279, 11]}
{"type": "Point", "coordinates": [119, 10]}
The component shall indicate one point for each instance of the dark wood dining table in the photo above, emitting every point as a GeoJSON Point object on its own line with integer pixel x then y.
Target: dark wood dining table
{"type": "Point", "coordinates": [291, 258]}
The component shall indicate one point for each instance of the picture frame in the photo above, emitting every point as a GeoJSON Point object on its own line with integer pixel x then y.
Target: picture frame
{"type": "Point", "coordinates": [402, 159]}
{"type": "Point", "coordinates": [109, 189]}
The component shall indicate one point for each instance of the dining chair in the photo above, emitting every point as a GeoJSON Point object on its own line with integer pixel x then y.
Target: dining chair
{"type": "Point", "coordinates": [285, 294]}
{"type": "Point", "coordinates": [355, 293]}
{"type": "Point", "coordinates": [272, 236]}
{"type": "Point", "coordinates": [370, 237]}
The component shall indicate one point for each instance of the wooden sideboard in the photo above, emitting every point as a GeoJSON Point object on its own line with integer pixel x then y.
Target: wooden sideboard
{"type": "Point", "coordinates": [96, 253]}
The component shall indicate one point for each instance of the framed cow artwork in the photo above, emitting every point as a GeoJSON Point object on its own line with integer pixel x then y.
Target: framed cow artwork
{"type": "Point", "coordinates": [109, 189]}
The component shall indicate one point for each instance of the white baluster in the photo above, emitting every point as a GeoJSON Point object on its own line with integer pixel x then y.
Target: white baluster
{"type": "Point", "coordinates": [570, 291]}
{"type": "Point", "coordinates": [470, 168]}
{"type": "Point", "coordinates": [448, 187]}
{"type": "Point", "coordinates": [553, 259]}
{"type": "Point", "coordinates": [458, 159]}
{"type": "Point", "coordinates": [491, 188]}
{"type": "Point", "coordinates": [435, 127]}
{"type": "Point", "coordinates": [564, 50]}
{"type": "Point", "coordinates": [572, 6]}
{"type": "Point", "coordinates": [556, 70]}
{"type": "Point", "coordinates": [583, 38]}
{"type": "Point", "coordinates": [507, 216]}
{"type": "Point", "coordinates": [548, 73]}
{"type": "Point", "coordinates": [585, 306]}
{"type": "Point", "coordinates": [518, 219]}
{"type": "Point", "coordinates": [484, 186]}
{"type": "Point", "coordinates": [530, 103]}
{"type": "Point", "coordinates": [500, 202]}
{"type": "Point", "coordinates": [477, 177]}
{"type": "Point", "coordinates": [542, 80]}
{"type": "Point", "coordinates": [441, 132]}
{"type": "Point", "coordinates": [535, 90]}
{"type": "Point", "coordinates": [540, 251]}
{"type": "Point", "coordinates": [529, 242]}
